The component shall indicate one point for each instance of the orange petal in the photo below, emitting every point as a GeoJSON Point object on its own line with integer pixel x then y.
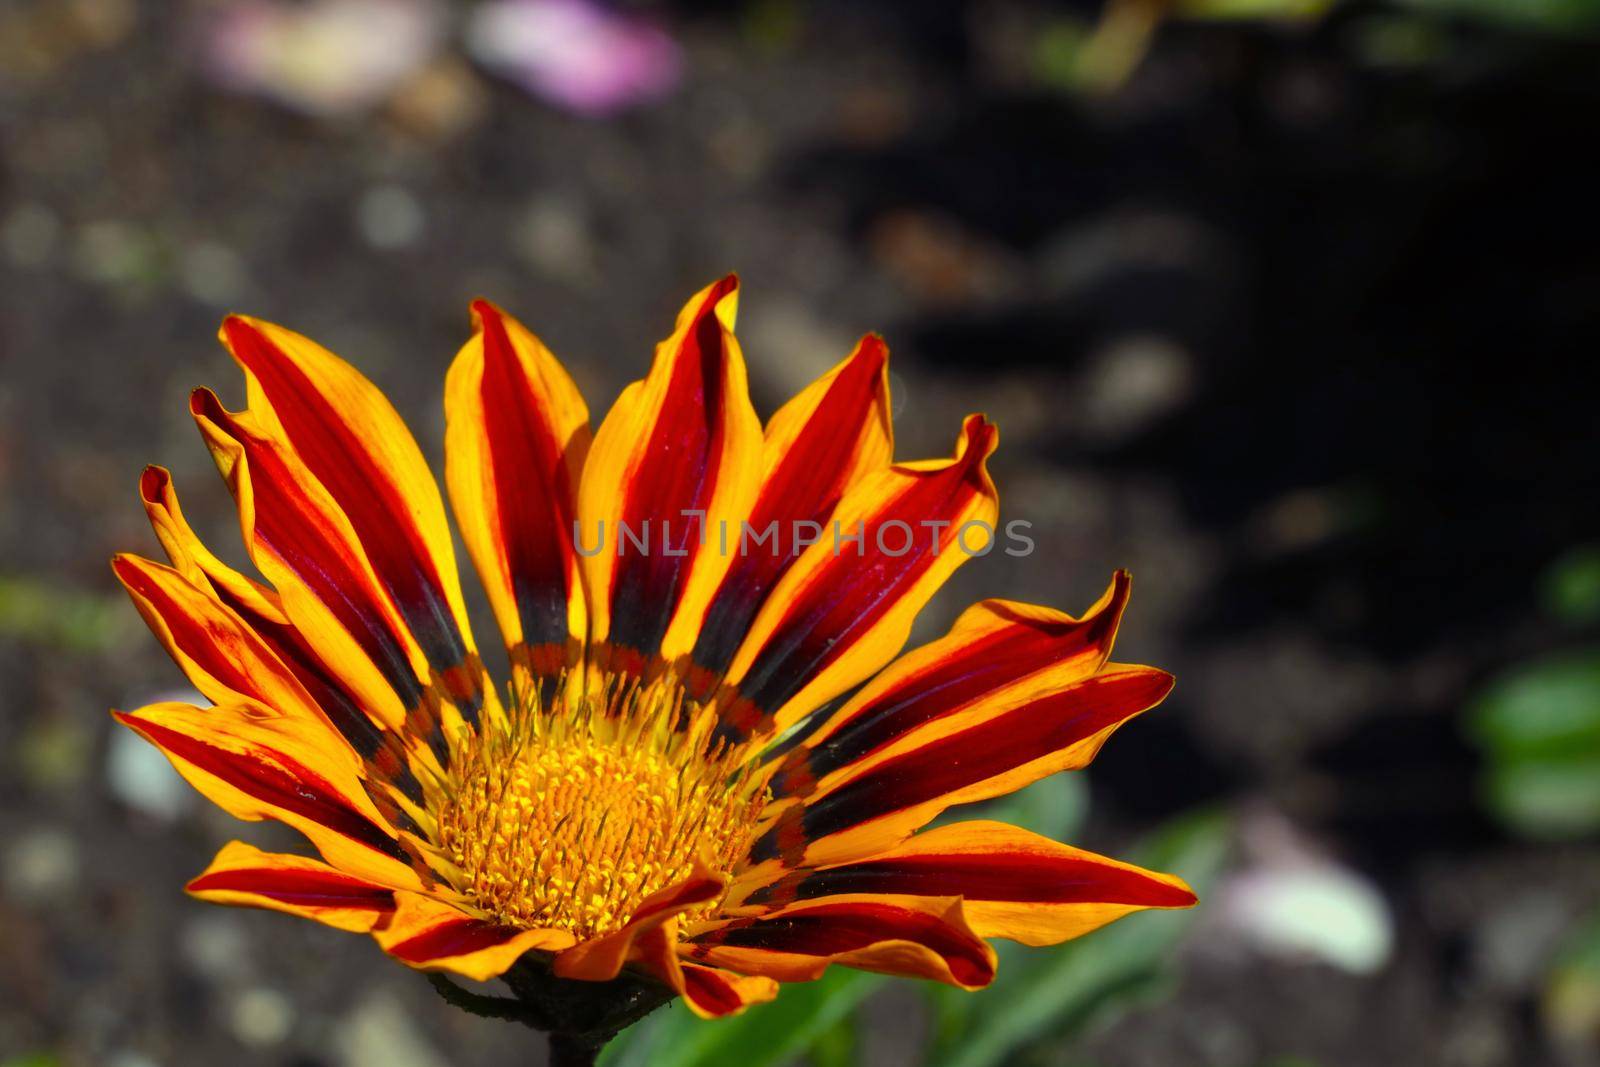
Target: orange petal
{"type": "Point", "coordinates": [190, 555]}
{"type": "Point", "coordinates": [517, 434]}
{"type": "Point", "coordinates": [300, 539]}
{"type": "Point", "coordinates": [350, 438]}
{"type": "Point", "coordinates": [260, 610]}
{"type": "Point", "coordinates": [713, 993]}
{"type": "Point", "coordinates": [831, 435]}
{"type": "Point", "coordinates": [435, 935]}
{"type": "Point", "coordinates": [1013, 883]}
{"type": "Point", "coordinates": [600, 959]}
{"type": "Point", "coordinates": [999, 654]}
{"type": "Point", "coordinates": [245, 876]}
{"type": "Point", "coordinates": [258, 765]}
{"type": "Point", "coordinates": [875, 804]}
{"type": "Point", "coordinates": [913, 937]}
{"type": "Point", "coordinates": [845, 607]}
{"type": "Point", "coordinates": [677, 460]}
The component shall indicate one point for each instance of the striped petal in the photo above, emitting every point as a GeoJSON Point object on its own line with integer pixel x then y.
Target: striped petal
{"type": "Point", "coordinates": [260, 610]}
{"type": "Point", "coordinates": [677, 459]}
{"type": "Point", "coordinates": [263, 766]}
{"type": "Point", "coordinates": [600, 959]}
{"type": "Point", "coordinates": [873, 806]}
{"type": "Point", "coordinates": [844, 609]}
{"type": "Point", "coordinates": [347, 434]}
{"type": "Point", "coordinates": [430, 934]}
{"type": "Point", "coordinates": [304, 544]}
{"type": "Point", "coordinates": [713, 993]}
{"type": "Point", "coordinates": [997, 655]}
{"type": "Point", "coordinates": [1013, 883]}
{"type": "Point", "coordinates": [819, 445]}
{"type": "Point", "coordinates": [517, 435]}
{"type": "Point", "coordinates": [245, 876]}
{"type": "Point", "coordinates": [191, 557]}
{"type": "Point", "coordinates": [913, 938]}
{"type": "Point", "coordinates": [221, 656]}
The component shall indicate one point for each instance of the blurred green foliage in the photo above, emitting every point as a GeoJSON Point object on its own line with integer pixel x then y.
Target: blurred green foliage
{"type": "Point", "coordinates": [1572, 991]}
{"type": "Point", "coordinates": [40, 612]}
{"type": "Point", "coordinates": [1040, 994]}
{"type": "Point", "coordinates": [806, 1017]}
{"type": "Point", "coordinates": [1539, 722]}
{"type": "Point", "coordinates": [1055, 994]}
{"type": "Point", "coordinates": [1075, 54]}
{"type": "Point", "coordinates": [1571, 588]}
{"type": "Point", "coordinates": [1540, 726]}
{"type": "Point", "coordinates": [1550, 16]}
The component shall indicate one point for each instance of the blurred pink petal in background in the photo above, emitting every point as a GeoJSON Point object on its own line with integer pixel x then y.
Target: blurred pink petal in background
{"type": "Point", "coordinates": [327, 58]}
{"type": "Point", "coordinates": [577, 54]}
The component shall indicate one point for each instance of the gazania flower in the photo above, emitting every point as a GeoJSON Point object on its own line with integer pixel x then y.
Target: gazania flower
{"type": "Point", "coordinates": [708, 766]}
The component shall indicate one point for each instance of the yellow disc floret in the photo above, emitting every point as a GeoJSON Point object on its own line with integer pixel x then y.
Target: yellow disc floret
{"type": "Point", "coordinates": [569, 813]}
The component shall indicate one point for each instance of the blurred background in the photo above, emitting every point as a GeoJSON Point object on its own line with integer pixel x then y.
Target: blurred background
{"type": "Point", "coordinates": [1289, 307]}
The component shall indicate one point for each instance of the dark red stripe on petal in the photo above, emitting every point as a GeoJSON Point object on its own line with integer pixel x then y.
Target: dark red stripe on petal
{"type": "Point", "coordinates": [532, 490]}
{"type": "Point", "coordinates": [293, 530]}
{"type": "Point", "coordinates": [711, 990]}
{"type": "Point", "coordinates": [830, 930]}
{"type": "Point", "coordinates": [366, 493]}
{"type": "Point", "coordinates": [275, 780]}
{"type": "Point", "coordinates": [368, 739]}
{"type": "Point", "coordinates": [677, 473]}
{"type": "Point", "coordinates": [1032, 878]}
{"type": "Point", "coordinates": [805, 485]}
{"type": "Point", "coordinates": [309, 889]}
{"type": "Point", "coordinates": [986, 750]}
{"type": "Point", "coordinates": [856, 588]}
{"type": "Point", "coordinates": [456, 937]}
{"type": "Point", "coordinates": [981, 667]}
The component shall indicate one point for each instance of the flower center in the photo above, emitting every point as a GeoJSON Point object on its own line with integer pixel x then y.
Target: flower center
{"type": "Point", "coordinates": [571, 816]}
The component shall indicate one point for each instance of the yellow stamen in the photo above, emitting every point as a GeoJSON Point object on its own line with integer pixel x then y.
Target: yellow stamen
{"type": "Point", "coordinates": [570, 812]}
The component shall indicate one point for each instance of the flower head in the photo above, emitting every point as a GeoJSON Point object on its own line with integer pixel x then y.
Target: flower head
{"type": "Point", "coordinates": [709, 764]}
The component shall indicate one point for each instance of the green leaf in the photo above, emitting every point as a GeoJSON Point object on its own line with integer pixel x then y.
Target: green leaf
{"type": "Point", "coordinates": [1547, 709]}
{"type": "Point", "coordinates": [766, 1035]}
{"type": "Point", "coordinates": [1550, 799]}
{"type": "Point", "coordinates": [1571, 587]}
{"type": "Point", "coordinates": [1550, 16]}
{"type": "Point", "coordinates": [1254, 9]}
{"type": "Point", "coordinates": [1059, 990]}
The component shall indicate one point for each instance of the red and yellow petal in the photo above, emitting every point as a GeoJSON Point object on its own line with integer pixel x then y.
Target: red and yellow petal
{"type": "Point", "coordinates": [677, 461]}
{"type": "Point", "coordinates": [831, 435]}
{"type": "Point", "coordinates": [1013, 883]}
{"type": "Point", "coordinates": [259, 611]}
{"type": "Point", "coordinates": [874, 806]}
{"type": "Point", "coordinates": [431, 934]}
{"type": "Point", "coordinates": [349, 437]}
{"type": "Point", "coordinates": [220, 655]}
{"type": "Point", "coordinates": [191, 557]}
{"type": "Point", "coordinates": [843, 610]}
{"type": "Point", "coordinates": [997, 655]}
{"type": "Point", "coordinates": [917, 938]}
{"type": "Point", "coordinates": [261, 765]}
{"type": "Point", "coordinates": [714, 993]}
{"type": "Point", "coordinates": [245, 876]}
{"type": "Point", "coordinates": [601, 958]}
{"type": "Point", "coordinates": [301, 540]}
{"type": "Point", "coordinates": [516, 439]}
